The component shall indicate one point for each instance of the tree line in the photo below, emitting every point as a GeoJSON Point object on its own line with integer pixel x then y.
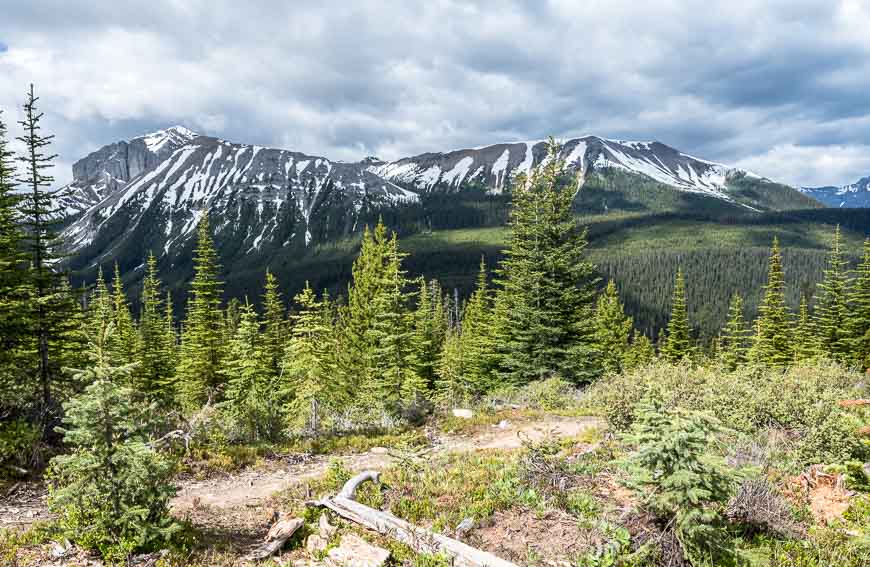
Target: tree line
{"type": "Point", "coordinates": [833, 323]}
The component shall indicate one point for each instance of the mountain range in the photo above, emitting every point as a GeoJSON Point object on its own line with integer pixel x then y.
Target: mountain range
{"type": "Point", "coordinates": [290, 211]}
{"type": "Point", "coordinates": [855, 195]}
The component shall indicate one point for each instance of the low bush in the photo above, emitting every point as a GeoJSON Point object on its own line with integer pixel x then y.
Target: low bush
{"type": "Point", "coordinates": [801, 400]}
{"type": "Point", "coordinates": [676, 473]}
{"type": "Point", "coordinates": [550, 394]}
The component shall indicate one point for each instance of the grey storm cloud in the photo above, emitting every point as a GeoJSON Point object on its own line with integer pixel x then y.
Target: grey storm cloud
{"type": "Point", "coordinates": [777, 86]}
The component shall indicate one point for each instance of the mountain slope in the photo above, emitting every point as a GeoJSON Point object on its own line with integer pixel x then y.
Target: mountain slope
{"type": "Point", "coordinates": [257, 198]}
{"type": "Point", "coordinates": [855, 195]}
{"type": "Point", "coordinates": [493, 167]}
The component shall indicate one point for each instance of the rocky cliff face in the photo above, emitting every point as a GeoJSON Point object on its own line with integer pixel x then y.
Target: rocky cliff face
{"type": "Point", "coordinates": [109, 169]}
{"type": "Point", "coordinates": [258, 199]}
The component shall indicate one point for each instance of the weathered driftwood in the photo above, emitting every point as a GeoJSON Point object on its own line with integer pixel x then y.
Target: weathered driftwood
{"type": "Point", "coordinates": [418, 539]}
{"type": "Point", "coordinates": [278, 535]}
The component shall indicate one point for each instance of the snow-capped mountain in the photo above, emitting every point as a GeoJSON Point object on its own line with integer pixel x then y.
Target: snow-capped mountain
{"type": "Point", "coordinates": [855, 195]}
{"type": "Point", "coordinates": [111, 167]}
{"type": "Point", "coordinates": [255, 196]}
{"type": "Point", "coordinates": [148, 193]}
{"type": "Point", "coordinates": [493, 166]}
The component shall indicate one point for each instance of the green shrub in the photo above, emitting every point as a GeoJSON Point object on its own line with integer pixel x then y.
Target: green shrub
{"type": "Point", "coordinates": [680, 480]}
{"type": "Point", "coordinates": [550, 394]}
{"type": "Point", "coordinates": [801, 399]}
{"type": "Point", "coordinates": [112, 491]}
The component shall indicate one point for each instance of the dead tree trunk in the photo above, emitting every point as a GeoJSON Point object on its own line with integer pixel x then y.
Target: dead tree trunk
{"type": "Point", "coordinates": [418, 539]}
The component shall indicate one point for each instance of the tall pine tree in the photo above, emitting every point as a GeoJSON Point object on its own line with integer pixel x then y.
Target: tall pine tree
{"type": "Point", "coordinates": [52, 305]}
{"type": "Point", "coordinates": [13, 308]}
{"type": "Point", "coordinates": [859, 308]}
{"type": "Point", "coordinates": [733, 340]}
{"type": "Point", "coordinates": [466, 367]}
{"type": "Point", "coordinates": [252, 398]}
{"type": "Point", "coordinates": [275, 325]}
{"type": "Point", "coordinates": [806, 341]}
{"type": "Point", "coordinates": [202, 346]}
{"type": "Point", "coordinates": [547, 283]}
{"type": "Point", "coordinates": [314, 388]}
{"type": "Point", "coordinates": [831, 313]}
{"type": "Point", "coordinates": [678, 341]}
{"type": "Point", "coordinates": [155, 376]}
{"type": "Point", "coordinates": [612, 329]}
{"type": "Point", "coordinates": [772, 344]}
{"type": "Point", "coordinates": [124, 346]}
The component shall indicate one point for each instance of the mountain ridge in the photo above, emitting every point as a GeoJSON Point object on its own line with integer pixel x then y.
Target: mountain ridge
{"type": "Point", "coordinates": [268, 204]}
{"type": "Point", "coordinates": [853, 195]}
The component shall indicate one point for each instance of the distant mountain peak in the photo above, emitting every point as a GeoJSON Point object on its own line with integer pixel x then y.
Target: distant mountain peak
{"type": "Point", "coordinates": [851, 196]}
{"type": "Point", "coordinates": [172, 136]}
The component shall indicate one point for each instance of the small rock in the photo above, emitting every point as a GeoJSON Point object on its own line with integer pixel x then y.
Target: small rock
{"type": "Point", "coordinates": [379, 450]}
{"type": "Point", "coordinates": [464, 527]}
{"type": "Point", "coordinates": [867, 469]}
{"type": "Point", "coordinates": [504, 424]}
{"type": "Point", "coordinates": [60, 549]}
{"type": "Point", "coordinates": [355, 552]}
{"type": "Point", "coordinates": [327, 530]}
{"type": "Point", "coordinates": [463, 413]}
{"type": "Point", "coordinates": [315, 544]}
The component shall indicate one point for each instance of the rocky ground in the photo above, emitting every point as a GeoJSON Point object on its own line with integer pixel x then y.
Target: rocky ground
{"type": "Point", "coordinates": [233, 512]}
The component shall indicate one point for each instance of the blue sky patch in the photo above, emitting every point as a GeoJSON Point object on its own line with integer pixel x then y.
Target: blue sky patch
{"type": "Point", "coordinates": [3, 47]}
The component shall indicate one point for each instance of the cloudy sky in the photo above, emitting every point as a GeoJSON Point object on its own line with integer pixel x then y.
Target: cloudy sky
{"type": "Point", "coordinates": [781, 87]}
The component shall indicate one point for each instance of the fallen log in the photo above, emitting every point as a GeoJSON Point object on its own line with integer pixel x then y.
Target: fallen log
{"type": "Point", "coordinates": [419, 539]}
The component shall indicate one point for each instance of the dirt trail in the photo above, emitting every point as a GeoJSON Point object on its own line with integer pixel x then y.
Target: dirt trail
{"type": "Point", "coordinates": [251, 487]}
{"type": "Point", "coordinates": [248, 490]}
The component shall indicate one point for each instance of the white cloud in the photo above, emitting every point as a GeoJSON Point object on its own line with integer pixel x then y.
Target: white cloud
{"type": "Point", "coordinates": [812, 166]}
{"type": "Point", "coordinates": [721, 79]}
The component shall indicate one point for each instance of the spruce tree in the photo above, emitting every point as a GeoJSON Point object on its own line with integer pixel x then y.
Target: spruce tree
{"type": "Point", "coordinates": [376, 356]}
{"type": "Point", "coordinates": [112, 491]}
{"type": "Point", "coordinates": [476, 333]}
{"type": "Point", "coordinates": [612, 329]}
{"type": "Point", "coordinates": [125, 344]}
{"type": "Point", "coordinates": [678, 341]}
{"type": "Point", "coordinates": [640, 353]}
{"type": "Point", "coordinates": [252, 399]}
{"type": "Point", "coordinates": [13, 309]}
{"type": "Point", "coordinates": [859, 309]}
{"type": "Point", "coordinates": [155, 376]}
{"type": "Point", "coordinates": [467, 363]}
{"type": "Point", "coordinates": [733, 340]}
{"type": "Point", "coordinates": [453, 388]}
{"type": "Point", "coordinates": [831, 313]}
{"type": "Point", "coordinates": [314, 388]}
{"type": "Point", "coordinates": [51, 303]}
{"type": "Point", "coordinates": [99, 304]}
{"type": "Point", "coordinates": [396, 381]}
{"type": "Point", "coordinates": [547, 283]}
{"type": "Point", "coordinates": [203, 334]}
{"type": "Point", "coordinates": [275, 325]}
{"type": "Point", "coordinates": [806, 341]}
{"type": "Point", "coordinates": [772, 343]}
{"type": "Point", "coordinates": [428, 331]}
